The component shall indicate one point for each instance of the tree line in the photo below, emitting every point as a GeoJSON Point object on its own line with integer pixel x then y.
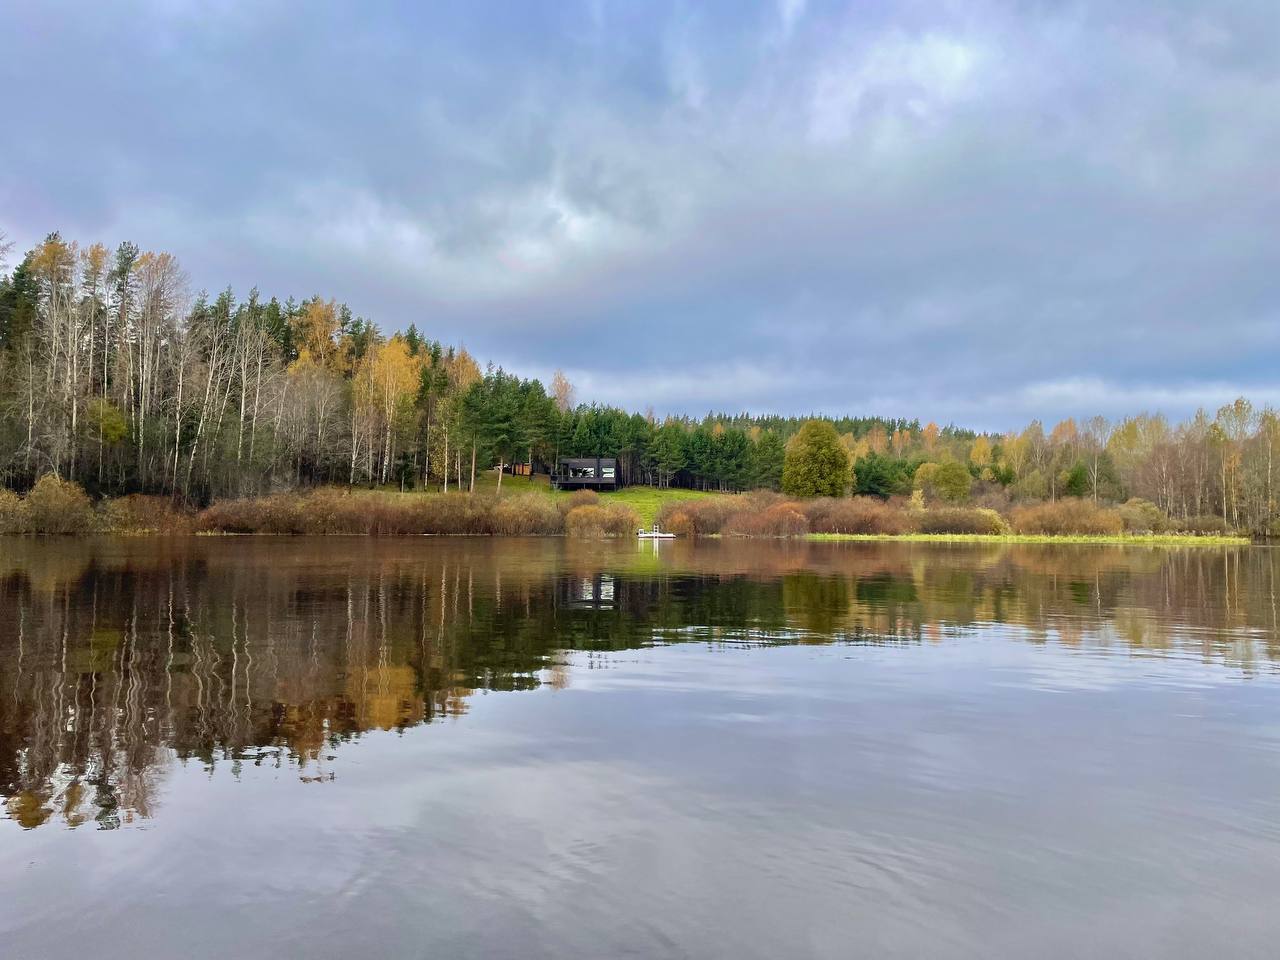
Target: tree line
{"type": "Point", "coordinates": [113, 376]}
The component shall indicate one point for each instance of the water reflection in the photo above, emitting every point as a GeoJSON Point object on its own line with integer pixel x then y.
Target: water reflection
{"type": "Point", "coordinates": [120, 659]}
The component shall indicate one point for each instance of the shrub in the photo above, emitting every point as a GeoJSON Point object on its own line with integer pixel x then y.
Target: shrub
{"type": "Point", "coordinates": [614, 520]}
{"type": "Point", "coordinates": [138, 513]}
{"type": "Point", "coordinates": [706, 516]}
{"type": "Point", "coordinates": [526, 515]}
{"type": "Point", "coordinates": [455, 513]}
{"type": "Point", "coordinates": [329, 511]}
{"type": "Point", "coordinates": [13, 513]}
{"type": "Point", "coordinates": [374, 515]}
{"type": "Point", "coordinates": [1068, 516]}
{"type": "Point", "coordinates": [58, 506]}
{"type": "Point", "coordinates": [1205, 525]}
{"type": "Point", "coordinates": [961, 520]}
{"type": "Point", "coordinates": [275, 514]}
{"type": "Point", "coordinates": [758, 501]}
{"type": "Point", "coordinates": [865, 515]}
{"type": "Point", "coordinates": [338, 511]}
{"type": "Point", "coordinates": [782, 519]}
{"type": "Point", "coordinates": [579, 498]}
{"type": "Point", "coordinates": [387, 515]}
{"type": "Point", "coordinates": [622, 520]}
{"type": "Point", "coordinates": [998, 524]}
{"type": "Point", "coordinates": [988, 496]}
{"type": "Point", "coordinates": [1143, 516]}
{"type": "Point", "coordinates": [680, 524]}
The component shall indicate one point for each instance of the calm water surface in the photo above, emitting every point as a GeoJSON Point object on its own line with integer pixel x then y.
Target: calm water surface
{"type": "Point", "coordinates": [495, 748]}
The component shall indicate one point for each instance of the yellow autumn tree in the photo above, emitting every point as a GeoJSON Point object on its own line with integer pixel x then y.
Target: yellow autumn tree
{"type": "Point", "coordinates": [384, 385]}
{"type": "Point", "coordinates": [1016, 450]}
{"type": "Point", "coordinates": [980, 452]}
{"type": "Point", "coordinates": [315, 329]}
{"type": "Point", "coordinates": [930, 434]}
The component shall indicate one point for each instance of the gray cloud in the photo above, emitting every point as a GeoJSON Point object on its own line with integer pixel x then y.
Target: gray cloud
{"type": "Point", "coordinates": [979, 211]}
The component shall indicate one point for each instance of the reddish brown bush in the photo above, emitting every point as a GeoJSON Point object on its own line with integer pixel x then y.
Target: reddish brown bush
{"type": "Point", "coordinates": [614, 520]}
{"type": "Point", "coordinates": [1069, 516]}
{"type": "Point", "coordinates": [960, 520]}
{"type": "Point", "coordinates": [137, 513]}
{"type": "Point", "coordinates": [13, 513]}
{"type": "Point", "coordinates": [379, 516]}
{"type": "Point", "coordinates": [331, 510]}
{"type": "Point", "coordinates": [1143, 516]}
{"type": "Point", "coordinates": [528, 514]}
{"type": "Point", "coordinates": [55, 505]}
{"type": "Point", "coordinates": [456, 513]}
{"type": "Point", "coordinates": [782, 519]}
{"type": "Point", "coordinates": [579, 498]}
{"type": "Point", "coordinates": [680, 524]}
{"type": "Point", "coordinates": [275, 514]}
{"type": "Point", "coordinates": [1204, 526]}
{"type": "Point", "coordinates": [707, 515]}
{"type": "Point", "coordinates": [337, 511]}
{"type": "Point", "coordinates": [864, 515]}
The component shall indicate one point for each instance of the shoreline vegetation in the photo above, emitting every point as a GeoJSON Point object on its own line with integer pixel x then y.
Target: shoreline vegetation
{"type": "Point", "coordinates": [528, 508]}
{"type": "Point", "coordinates": [1118, 539]}
{"type": "Point", "coordinates": [118, 377]}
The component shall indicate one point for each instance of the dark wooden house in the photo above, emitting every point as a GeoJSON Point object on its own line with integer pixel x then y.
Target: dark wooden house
{"type": "Point", "coordinates": [586, 473]}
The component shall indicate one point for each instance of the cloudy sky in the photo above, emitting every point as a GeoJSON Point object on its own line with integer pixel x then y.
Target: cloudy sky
{"type": "Point", "coordinates": [971, 211]}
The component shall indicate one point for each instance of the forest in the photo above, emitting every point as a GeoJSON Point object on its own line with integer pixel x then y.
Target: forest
{"type": "Point", "coordinates": [114, 376]}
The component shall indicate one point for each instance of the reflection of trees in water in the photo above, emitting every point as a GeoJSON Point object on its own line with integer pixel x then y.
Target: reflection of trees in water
{"type": "Point", "coordinates": [121, 658]}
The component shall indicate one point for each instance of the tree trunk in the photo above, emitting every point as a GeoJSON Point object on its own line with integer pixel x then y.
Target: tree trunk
{"type": "Point", "coordinates": [426, 452]}
{"type": "Point", "coordinates": [446, 459]}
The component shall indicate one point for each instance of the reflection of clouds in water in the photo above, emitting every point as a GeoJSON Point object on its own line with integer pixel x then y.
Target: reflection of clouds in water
{"type": "Point", "coordinates": [1106, 661]}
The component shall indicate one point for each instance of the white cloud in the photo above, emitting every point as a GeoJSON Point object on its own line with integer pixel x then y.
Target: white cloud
{"type": "Point", "coordinates": [976, 211]}
{"type": "Point", "coordinates": [789, 13]}
{"type": "Point", "coordinates": [893, 81]}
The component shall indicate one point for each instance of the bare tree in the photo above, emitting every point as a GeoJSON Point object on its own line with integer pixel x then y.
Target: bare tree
{"type": "Point", "coordinates": [1097, 431]}
{"type": "Point", "coordinates": [562, 390]}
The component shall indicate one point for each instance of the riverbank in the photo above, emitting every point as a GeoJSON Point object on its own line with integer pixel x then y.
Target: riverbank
{"type": "Point", "coordinates": [525, 507]}
{"type": "Point", "coordinates": [1124, 539]}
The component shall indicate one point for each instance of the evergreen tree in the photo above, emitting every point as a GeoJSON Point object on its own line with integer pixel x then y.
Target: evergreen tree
{"type": "Point", "coordinates": [767, 455]}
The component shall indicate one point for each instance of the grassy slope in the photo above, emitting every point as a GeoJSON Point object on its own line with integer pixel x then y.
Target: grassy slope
{"type": "Point", "coordinates": [645, 501]}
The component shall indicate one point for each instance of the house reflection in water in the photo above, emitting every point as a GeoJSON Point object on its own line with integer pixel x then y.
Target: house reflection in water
{"type": "Point", "coordinates": [588, 593]}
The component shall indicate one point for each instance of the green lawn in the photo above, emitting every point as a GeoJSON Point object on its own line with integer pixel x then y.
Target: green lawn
{"type": "Point", "coordinates": [645, 501]}
{"type": "Point", "coordinates": [487, 482]}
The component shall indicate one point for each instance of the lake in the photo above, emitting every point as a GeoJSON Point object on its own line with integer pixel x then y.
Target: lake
{"type": "Point", "coordinates": [258, 747]}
